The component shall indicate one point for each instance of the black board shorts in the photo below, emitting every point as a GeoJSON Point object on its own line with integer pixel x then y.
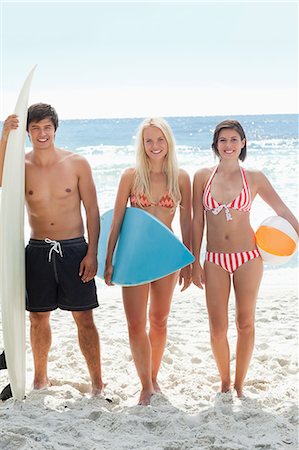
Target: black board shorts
{"type": "Point", "coordinates": [52, 276]}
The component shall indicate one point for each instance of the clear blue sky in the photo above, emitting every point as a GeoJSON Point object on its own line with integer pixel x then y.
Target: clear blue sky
{"type": "Point", "coordinates": [128, 59]}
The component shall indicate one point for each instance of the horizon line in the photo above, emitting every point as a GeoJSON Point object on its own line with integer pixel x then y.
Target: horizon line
{"type": "Point", "coordinates": [184, 115]}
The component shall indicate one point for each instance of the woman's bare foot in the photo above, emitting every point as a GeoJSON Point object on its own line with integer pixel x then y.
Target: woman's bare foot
{"type": "Point", "coordinates": [156, 387]}
{"type": "Point", "coordinates": [239, 391]}
{"type": "Point", "coordinates": [225, 386]}
{"type": "Point", "coordinates": [145, 397]}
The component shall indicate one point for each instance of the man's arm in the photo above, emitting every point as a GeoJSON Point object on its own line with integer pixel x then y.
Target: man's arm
{"type": "Point", "coordinates": [11, 123]}
{"type": "Point", "coordinates": [87, 190]}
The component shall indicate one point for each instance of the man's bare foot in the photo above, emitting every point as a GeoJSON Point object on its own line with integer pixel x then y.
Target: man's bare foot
{"type": "Point", "coordinates": [156, 387]}
{"type": "Point", "coordinates": [41, 384]}
{"type": "Point", "coordinates": [97, 391]}
{"type": "Point", "coordinates": [145, 397]}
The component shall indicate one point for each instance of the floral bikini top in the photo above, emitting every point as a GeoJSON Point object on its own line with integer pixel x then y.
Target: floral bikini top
{"type": "Point", "coordinates": [241, 203]}
{"type": "Point", "coordinates": [165, 201]}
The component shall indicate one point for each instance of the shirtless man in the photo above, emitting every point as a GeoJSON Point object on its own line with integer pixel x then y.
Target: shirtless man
{"type": "Point", "coordinates": [60, 266]}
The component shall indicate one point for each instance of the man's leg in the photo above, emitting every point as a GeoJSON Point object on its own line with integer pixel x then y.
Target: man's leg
{"type": "Point", "coordinates": [40, 334]}
{"type": "Point", "coordinates": [90, 346]}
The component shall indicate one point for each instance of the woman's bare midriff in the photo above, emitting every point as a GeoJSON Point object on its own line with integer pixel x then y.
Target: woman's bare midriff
{"type": "Point", "coordinates": [231, 236]}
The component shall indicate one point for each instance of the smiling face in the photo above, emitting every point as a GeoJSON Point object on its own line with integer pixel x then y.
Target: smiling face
{"type": "Point", "coordinates": [229, 143]}
{"type": "Point", "coordinates": [155, 143]}
{"type": "Point", "coordinates": [235, 133]}
{"type": "Point", "coordinates": [42, 133]}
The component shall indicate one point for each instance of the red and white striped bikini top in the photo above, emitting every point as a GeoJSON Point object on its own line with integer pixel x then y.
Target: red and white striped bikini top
{"type": "Point", "coordinates": [241, 203]}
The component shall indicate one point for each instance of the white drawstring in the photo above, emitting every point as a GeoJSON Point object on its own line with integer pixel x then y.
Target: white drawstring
{"type": "Point", "coordinates": [219, 208]}
{"type": "Point", "coordinates": [56, 247]}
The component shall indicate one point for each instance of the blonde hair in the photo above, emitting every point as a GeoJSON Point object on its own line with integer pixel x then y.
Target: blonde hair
{"type": "Point", "coordinates": [142, 183]}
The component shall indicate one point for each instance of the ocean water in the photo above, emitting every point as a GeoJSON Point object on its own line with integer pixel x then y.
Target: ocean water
{"type": "Point", "coordinates": [108, 144]}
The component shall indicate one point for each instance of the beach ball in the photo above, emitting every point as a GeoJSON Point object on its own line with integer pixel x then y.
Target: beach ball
{"type": "Point", "coordinates": [276, 240]}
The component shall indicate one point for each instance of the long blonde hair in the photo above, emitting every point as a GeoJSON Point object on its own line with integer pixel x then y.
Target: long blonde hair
{"type": "Point", "coordinates": [142, 183]}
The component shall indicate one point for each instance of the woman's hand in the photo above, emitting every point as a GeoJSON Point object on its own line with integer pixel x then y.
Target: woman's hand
{"type": "Point", "coordinates": [108, 274]}
{"type": "Point", "coordinates": [198, 275]}
{"type": "Point", "coordinates": [185, 277]}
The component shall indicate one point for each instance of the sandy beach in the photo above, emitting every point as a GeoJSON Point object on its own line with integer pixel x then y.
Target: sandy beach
{"type": "Point", "coordinates": [190, 414]}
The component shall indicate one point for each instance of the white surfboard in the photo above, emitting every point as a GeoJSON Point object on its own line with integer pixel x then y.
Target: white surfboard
{"type": "Point", "coordinates": [12, 249]}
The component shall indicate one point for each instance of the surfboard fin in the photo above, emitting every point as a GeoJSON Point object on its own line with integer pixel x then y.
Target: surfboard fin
{"type": "Point", "coordinates": [2, 361]}
{"type": "Point", "coordinates": [6, 393]}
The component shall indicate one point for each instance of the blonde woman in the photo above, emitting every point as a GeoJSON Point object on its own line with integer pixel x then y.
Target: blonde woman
{"type": "Point", "coordinates": [158, 186]}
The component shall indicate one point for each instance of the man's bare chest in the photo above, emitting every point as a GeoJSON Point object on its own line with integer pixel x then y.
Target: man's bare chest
{"type": "Point", "coordinates": [50, 184]}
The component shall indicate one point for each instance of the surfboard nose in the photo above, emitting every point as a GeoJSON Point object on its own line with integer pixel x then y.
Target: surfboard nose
{"type": "Point", "coordinates": [146, 249]}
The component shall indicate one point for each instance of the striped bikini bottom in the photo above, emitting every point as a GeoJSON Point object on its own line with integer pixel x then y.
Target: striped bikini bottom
{"type": "Point", "coordinates": [231, 261]}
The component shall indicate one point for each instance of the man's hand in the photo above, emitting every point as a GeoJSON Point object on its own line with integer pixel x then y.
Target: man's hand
{"type": "Point", "coordinates": [88, 268]}
{"type": "Point", "coordinates": [10, 123]}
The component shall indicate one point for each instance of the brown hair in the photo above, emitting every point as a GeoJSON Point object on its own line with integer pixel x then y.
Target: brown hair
{"type": "Point", "coordinates": [234, 125]}
{"type": "Point", "coordinates": [41, 111]}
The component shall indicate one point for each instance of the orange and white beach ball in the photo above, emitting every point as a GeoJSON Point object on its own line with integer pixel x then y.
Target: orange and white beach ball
{"type": "Point", "coordinates": [276, 240]}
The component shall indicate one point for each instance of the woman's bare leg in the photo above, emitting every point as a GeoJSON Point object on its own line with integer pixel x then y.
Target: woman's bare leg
{"type": "Point", "coordinates": [246, 283]}
{"type": "Point", "coordinates": [135, 303]}
{"type": "Point", "coordinates": [217, 285]}
{"type": "Point", "coordinates": [161, 293]}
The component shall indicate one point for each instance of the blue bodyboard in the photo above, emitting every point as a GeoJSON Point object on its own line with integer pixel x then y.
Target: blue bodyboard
{"type": "Point", "coordinates": [146, 249]}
